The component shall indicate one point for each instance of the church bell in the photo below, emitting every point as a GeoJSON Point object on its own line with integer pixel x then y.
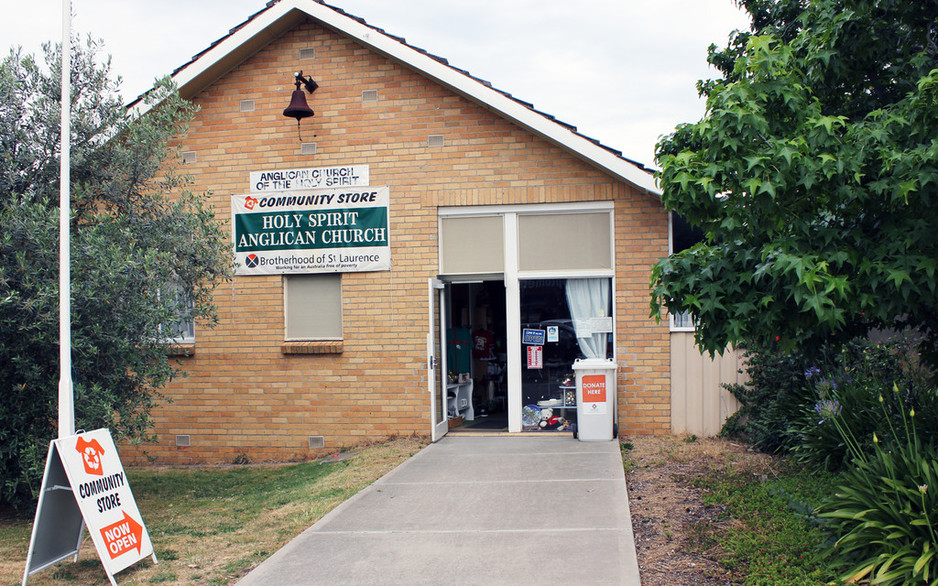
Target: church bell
{"type": "Point", "coordinates": [298, 107]}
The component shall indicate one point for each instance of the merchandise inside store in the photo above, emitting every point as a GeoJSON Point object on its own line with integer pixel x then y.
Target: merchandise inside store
{"type": "Point", "coordinates": [551, 310]}
{"type": "Point", "coordinates": [477, 388]}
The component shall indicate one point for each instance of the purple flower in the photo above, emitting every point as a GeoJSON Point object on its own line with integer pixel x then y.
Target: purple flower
{"type": "Point", "coordinates": [811, 372]}
{"type": "Point", "coordinates": [827, 409]}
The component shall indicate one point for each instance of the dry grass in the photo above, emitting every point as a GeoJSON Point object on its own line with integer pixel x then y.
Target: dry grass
{"type": "Point", "coordinates": [674, 529]}
{"type": "Point", "coordinates": [212, 525]}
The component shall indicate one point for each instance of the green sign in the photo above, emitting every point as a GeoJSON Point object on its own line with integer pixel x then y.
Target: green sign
{"type": "Point", "coordinates": [343, 228]}
{"type": "Point", "coordinates": [315, 231]}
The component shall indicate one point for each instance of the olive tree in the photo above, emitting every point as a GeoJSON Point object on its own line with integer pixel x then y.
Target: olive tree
{"type": "Point", "coordinates": [146, 254]}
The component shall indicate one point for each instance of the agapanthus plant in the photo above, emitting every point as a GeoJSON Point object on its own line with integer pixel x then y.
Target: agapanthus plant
{"type": "Point", "coordinates": [882, 516]}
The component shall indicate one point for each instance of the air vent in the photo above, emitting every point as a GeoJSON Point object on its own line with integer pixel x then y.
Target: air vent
{"type": "Point", "coordinates": [308, 53]}
{"type": "Point", "coordinates": [370, 96]}
{"type": "Point", "coordinates": [435, 141]}
{"type": "Point", "coordinates": [182, 441]}
{"type": "Point", "coordinates": [188, 157]}
{"type": "Point", "coordinates": [308, 148]}
{"type": "Point", "coordinates": [317, 441]}
{"type": "Point", "coordinates": [247, 105]}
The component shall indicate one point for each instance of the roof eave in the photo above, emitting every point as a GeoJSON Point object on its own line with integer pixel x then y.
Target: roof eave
{"type": "Point", "coordinates": [269, 24]}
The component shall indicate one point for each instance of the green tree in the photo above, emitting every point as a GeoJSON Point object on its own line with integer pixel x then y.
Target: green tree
{"type": "Point", "coordinates": [813, 176]}
{"type": "Point", "coordinates": [146, 254]}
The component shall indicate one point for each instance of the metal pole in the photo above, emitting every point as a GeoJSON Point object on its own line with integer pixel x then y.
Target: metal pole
{"type": "Point", "coordinates": [66, 392]}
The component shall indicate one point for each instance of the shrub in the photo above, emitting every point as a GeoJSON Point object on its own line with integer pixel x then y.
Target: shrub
{"type": "Point", "coordinates": [770, 400]}
{"type": "Point", "coordinates": [146, 255]}
{"type": "Point", "coordinates": [850, 387]}
{"type": "Point", "coordinates": [780, 402]}
{"type": "Point", "coordinates": [883, 515]}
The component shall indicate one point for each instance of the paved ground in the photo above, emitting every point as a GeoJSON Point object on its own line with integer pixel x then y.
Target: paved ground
{"type": "Point", "coordinates": [475, 510]}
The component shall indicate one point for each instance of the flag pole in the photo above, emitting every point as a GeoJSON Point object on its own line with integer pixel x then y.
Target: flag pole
{"type": "Point", "coordinates": [66, 391]}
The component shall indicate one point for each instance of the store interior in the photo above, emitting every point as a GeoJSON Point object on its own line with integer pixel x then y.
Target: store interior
{"type": "Point", "coordinates": [548, 383]}
{"type": "Point", "coordinates": [477, 359]}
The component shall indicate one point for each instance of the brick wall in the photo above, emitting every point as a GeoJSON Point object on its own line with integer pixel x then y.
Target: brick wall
{"type": "Point", "coordinates": [243, 394]}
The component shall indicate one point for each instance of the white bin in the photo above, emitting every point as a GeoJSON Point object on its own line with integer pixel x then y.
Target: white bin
{"type": "Point", "coordinates": [595, 398]}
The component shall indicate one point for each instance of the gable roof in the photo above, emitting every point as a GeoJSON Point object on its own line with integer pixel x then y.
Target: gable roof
{"type": "Point", "coordinates": [279, 16]}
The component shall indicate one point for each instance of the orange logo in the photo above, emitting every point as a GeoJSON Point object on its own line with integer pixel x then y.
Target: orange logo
{"type": "Point", "coordinates": [90, 456]}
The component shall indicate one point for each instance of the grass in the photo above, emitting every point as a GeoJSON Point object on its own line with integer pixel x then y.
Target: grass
{"type": "Point", "coordinates": [768, 532]}
{"type": "Point", "coordinates": [211, 525]}
{"type": "Point", "coordinates": [625, 449]}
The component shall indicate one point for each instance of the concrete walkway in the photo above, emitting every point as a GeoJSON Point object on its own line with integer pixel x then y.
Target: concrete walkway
{"type": "Point", "coordinates": [475, 510]}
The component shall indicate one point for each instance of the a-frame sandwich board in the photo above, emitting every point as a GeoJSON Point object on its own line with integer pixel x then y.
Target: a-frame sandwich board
{"type": "Point", "coordinates": [84, 484]}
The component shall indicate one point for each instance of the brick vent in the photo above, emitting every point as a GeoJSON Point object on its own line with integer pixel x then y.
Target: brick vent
{"type": "Point", "coordinates": [317, 347]}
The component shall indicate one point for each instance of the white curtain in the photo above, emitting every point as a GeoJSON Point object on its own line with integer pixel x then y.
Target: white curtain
{"type": "Point", "coordinates": [588, 300]}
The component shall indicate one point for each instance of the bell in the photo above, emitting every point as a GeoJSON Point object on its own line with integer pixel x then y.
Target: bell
{"type": "Point", "coordinates": [298, 107]}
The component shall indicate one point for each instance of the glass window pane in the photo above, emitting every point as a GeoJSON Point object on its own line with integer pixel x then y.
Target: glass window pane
{"type": "Point", "coordinates": [182, 331]}
{"type": "Point", "coordinates": [554, 319]}
{"type": "Point", "coordinates": [683, 320]}
{"type": "Point", "coordinates": [313, 307]}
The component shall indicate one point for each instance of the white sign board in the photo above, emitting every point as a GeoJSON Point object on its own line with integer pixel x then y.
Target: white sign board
{"type": "Point", "coordinates": [317, 178]}
{"type": "Point", "coordinates": [316, 231]}
{"type": "Point", "coordinates": [553, 333]}
{"type": "Point", "coordinates": [592, 325]}
{"type": "Point", "coordinates": [98, 484]}
{"type": "Point", "coordinates": [535, 356]}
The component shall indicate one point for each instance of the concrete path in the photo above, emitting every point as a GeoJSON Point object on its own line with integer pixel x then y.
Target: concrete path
{"type": "Point", "coordinates": [475, 510]}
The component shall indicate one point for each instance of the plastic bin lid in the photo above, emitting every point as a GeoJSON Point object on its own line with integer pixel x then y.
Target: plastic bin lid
{"type": "Point", "coordinates": [594, 363]}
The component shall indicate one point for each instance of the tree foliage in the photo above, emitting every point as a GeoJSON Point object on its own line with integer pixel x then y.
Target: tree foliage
{"type": "Point", "coordinates": [146, 253]}
{"type": "Point", "coordinates": [813, 176]}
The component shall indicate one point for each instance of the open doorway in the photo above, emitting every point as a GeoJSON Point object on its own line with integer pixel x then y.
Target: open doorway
{"type": "Point", "coordinates": [477, 387]}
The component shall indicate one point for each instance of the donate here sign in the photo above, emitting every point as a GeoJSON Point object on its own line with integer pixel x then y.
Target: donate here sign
{"type": "Point", "coordinates": [312, 231]}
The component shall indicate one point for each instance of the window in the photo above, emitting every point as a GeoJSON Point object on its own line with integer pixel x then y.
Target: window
{"type": "Point", "coordinates": [565, 241]}
{"type": "Point", "coordinates": [182, 331]}
{"type": "Point", "coordinates": [472, 245]}
{"type": "Point", "coordinates": [683, 236]}
{"type": "Point", "coordinates": [313, 307]}
{"type": "Point", "coordinates": [682, 322]}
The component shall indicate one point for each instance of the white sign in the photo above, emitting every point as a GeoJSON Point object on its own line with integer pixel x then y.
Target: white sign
{"type": "Point", "coordinates": [585, 328]}
{"type": "Point", "coordinates": [315, 231]}
{"type": "Point", "coordinates": [95, 477]}
{"type": "Point", "coordinates": [553, 333]}
{"type": "Point", "coordinates": [535, 357]}
{"type": "Point", "coordinates": [317, 178]}
{"type": "Point", "coordinates": [601, 325]}
{"type": "Point", "coordinates": [100, 487]}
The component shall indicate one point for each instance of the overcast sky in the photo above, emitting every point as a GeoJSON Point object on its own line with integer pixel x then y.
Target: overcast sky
{"type": "Point", "coordinates": [622, 71]}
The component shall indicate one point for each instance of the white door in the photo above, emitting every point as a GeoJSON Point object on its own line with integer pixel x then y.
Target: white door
{"type": "Point", "coordinates": [436, 359]}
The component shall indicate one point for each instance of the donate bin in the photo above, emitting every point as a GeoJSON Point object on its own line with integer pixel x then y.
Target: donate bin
{"type": "Point", "coordinates": [595, 398]}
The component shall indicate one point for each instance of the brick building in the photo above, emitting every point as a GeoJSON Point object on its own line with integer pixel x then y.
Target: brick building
{"type": "Point", "coordinates": [489, 222]}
